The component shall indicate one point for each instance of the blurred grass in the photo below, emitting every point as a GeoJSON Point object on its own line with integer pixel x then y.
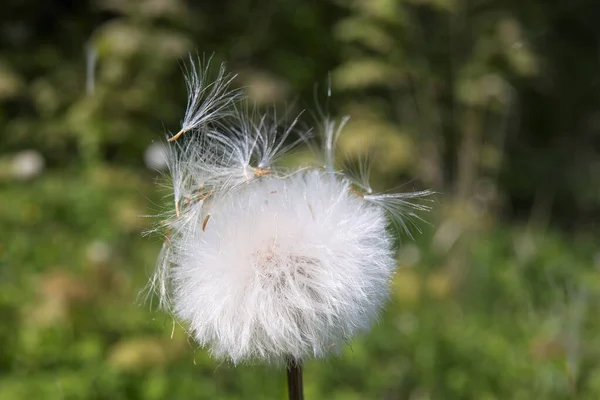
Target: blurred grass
{"type": "Point", "coordinates": [488, 104]}
{"type": "Point", "coordinates": [497, 312]}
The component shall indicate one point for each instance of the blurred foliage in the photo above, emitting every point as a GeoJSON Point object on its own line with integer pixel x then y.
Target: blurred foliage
{"type": "Point", "coordinates": [493, 103]}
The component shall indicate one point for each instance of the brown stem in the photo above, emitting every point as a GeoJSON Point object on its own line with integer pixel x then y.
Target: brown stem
{"type": "Point", "coordinates": [294, 380]}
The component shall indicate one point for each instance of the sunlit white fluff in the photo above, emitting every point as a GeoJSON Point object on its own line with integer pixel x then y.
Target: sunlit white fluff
{"type": "Point", "coordinates": [263, 263]}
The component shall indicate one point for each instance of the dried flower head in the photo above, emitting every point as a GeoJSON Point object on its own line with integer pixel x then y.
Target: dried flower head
{"type": "Point", "coordinates": [264, 263]}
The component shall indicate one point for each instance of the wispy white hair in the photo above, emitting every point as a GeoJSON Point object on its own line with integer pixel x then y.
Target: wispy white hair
{"type": "Point", "coordinates": [263, 263]}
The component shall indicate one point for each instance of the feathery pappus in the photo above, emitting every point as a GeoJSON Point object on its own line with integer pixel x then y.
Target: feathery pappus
{"type": "Point", "coordinates": [263, 263]}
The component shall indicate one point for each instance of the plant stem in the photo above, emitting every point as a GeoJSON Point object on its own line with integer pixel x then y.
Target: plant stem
{"type": "Point", "coordinates": [294, 380]}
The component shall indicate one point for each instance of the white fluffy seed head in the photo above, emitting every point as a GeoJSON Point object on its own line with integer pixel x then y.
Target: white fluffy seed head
{"type": "Point", "coordinates": [264, 264]}
{"type": "Point", "coordinates": [286, 267]}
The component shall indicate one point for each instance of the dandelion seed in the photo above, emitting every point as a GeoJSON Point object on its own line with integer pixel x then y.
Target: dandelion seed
{"type": "Point", "coordinates": [332, 134]}
{"type": "Point", "coordinates": [402, 208]}
{"type": "Point", "coordinates": [359, 174]}
{"type": "Point", "coordinates": [205, 222]}
{"type": "Point", "coordinates": [206, 101]}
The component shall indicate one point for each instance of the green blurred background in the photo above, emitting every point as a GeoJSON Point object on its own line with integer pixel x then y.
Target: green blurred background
{"type": "Point", "coordinates": [495, 104]}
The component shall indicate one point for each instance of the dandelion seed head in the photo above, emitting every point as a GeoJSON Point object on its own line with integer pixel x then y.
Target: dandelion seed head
{"type": "Point", "coordinates": [262, 263]}
{"type": "Point", "coordinates": [286, 267]}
